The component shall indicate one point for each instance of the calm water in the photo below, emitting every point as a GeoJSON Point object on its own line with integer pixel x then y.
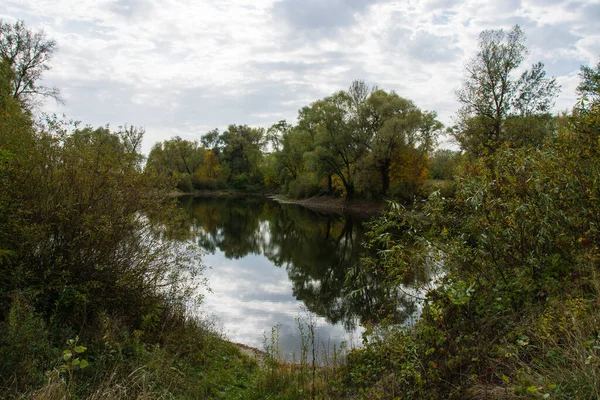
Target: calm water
{"type": "Point", "coordinates": [270, 264]}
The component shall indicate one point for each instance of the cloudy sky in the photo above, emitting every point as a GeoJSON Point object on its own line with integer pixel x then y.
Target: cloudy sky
{"type": "Point", "coordinates": [183, 67]}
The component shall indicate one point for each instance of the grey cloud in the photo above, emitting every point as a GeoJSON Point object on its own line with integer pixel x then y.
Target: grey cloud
{"type": "Point", "coordinates": [432, 48]}
{"type": "Point", "coordinates": [590, 17]}
{"type": "Point", "coordinates": [442, 4]}
{"type": "Point", "coordinates": [265, 296]}
{"type": "Point", "coordinates": [318, 16]}
{"type": "Point", "coordinates": [505, 22]}
{"type": "Point", "coordinates": [423, 46]}
{"type": "Point", "coordinates": [209, 107]}
{"type": "Point", "coordinates": [107, 101]}
{"type": "Point", "coordinates": [551, 37]}
{"type": "Point", "coordinates": [443, 18]}
{"type": "Point", "coordinates": [562, 66]}
{"type": "Point", "coordinates": [130, 9]}
{"type": "Point", "coordinates": [508, 5]}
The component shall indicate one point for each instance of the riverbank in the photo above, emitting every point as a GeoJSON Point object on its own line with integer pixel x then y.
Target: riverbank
{"type": "Point", "coordinates": [317, 203]}
{"type": "Point", "coordinates": [218, 193]}
{"type": "Point", "coordinates": [335, 204]}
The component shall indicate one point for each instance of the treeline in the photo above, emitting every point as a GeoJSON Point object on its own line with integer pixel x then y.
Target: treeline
{"type": "Point", "coordinates": [367, 142]}
{"type": "Point", "coordinates": [363, 142]}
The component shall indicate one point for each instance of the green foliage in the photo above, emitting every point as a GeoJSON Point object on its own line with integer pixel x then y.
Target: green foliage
{"type": "Point", "coordinates": [304, 186]}
{"type": "Point", "coordinates": [497, 106]}
{"type": "Point", "coordinates": [444, 164]}
{"type": "Point", "coordinates": [356, 137]}
{"type": "Point", "coordinates": [28, 55]}
{"type": "Point", "coordinates": [518, 246]}
{"type": "Point", "coordinates": [25, 348]}
{"type": "Point", "coordinates": [232, 159]}
{"type": "Point", "coordinates": [83, 240]}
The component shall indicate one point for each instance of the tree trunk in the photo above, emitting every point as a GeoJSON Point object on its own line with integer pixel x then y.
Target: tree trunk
{"type": "Point", "coordinates": [385, 178]}
{"type": "Point", "coordinates": [349, 190]}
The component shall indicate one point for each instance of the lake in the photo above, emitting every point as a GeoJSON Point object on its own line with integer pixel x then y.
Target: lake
{"type": "Point", "coordinates": [271, 264]}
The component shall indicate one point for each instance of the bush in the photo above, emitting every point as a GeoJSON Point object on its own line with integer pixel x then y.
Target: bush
{"type": "Point", "coordinates": [304, 186]}
{"type": "Point", "coordinates": [184, 182]}
{"type": "Point", "coordinates": [25, 348]}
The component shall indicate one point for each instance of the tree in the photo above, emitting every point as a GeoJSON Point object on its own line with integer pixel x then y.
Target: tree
{"type": "Point", "coordinates": [342, 134]}
{"type": "Point", "coordinates": [490, 93]}
{"type": "Point", "coordinates": [28, 54]}
{"type": "Point", "coordinates": [589, 87]}
{"type": "Point", "coordinates": [176, 155]}
{"type": "Point", "coordinates": [587, 111]}
{"type": "Point", "coordinates": [443, 164]}
{"type": "Point", "coordinates": [397, 125]}
{"type": "Point", "coordinates": [242, 153]}
{"type": "Point", "coordinates": [276, 132]}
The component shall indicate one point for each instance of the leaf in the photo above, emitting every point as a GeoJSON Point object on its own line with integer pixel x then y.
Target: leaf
{"type": "Point", "coordinates": [83, 364]}
{"type": "Point", "coordinates": [506, 379]}
{"type": "Point", "coordinates": [80, 349]}
{"type": "Point", "coordinates": [67, 356]}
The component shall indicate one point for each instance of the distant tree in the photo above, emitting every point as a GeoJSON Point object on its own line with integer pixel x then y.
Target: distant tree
{"type": "Point", "coordinates": [176, 155]}
{"type": "Point", "coordinates": [443, 164]}
{"type": "Point", "coordinates": [242, 152]}
{"type": "Point", "coordinates": [589, 87]}
{"type": "Point", "coordinates": [28, 54]}
{"type": "Point", "coordinates": [586, 114]}
{"type": "Point", "coordinates": [490, 93]}
{"type": "Point", "coordinates": [276, 132]}
{"type": "Point", "coordinates": [211, 141]}
{"type": "Point", "coordinates": [398, 125]}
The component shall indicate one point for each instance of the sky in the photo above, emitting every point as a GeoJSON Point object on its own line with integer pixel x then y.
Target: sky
{"type": "Point", "coordinates": [182, 68]}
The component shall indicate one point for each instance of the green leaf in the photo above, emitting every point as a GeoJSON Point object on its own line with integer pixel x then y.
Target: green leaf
{"type": "Point", "coordinates": [83, 364]}
{"type": "Point", "coordinates": [80, 349]}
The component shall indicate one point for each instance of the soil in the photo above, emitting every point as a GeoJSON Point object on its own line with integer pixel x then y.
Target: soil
{"type": "Point", "coordinates": [336, 204]}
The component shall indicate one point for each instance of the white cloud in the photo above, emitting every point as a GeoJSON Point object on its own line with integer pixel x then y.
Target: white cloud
{"type": "Point", "coordinates": [176, 65]}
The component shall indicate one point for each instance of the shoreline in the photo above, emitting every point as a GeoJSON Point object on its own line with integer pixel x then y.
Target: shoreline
{"type": "Point", "coordinates": [316, 203]}
{"type": "Point", "coordinates": [334, 204]}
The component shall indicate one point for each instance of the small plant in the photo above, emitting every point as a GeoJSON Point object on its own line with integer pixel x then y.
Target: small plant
{"type": "Point", "coordinates": [72, 357]}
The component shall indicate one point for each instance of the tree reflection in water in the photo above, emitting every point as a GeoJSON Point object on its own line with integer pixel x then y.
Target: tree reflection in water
{"type": "Point", "coordinates": [318, 250]}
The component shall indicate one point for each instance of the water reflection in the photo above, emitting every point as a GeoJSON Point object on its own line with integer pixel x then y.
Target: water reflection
{"type": "Point", "coordinates": [270, 261]}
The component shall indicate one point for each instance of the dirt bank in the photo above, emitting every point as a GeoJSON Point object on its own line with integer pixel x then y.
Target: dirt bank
{"type": "Point", "coordinates": [335, 204]}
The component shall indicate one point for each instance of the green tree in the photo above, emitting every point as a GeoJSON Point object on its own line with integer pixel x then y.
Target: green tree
{"type": "Point", "coordinates": [341, 134]}
{"type": "Point", "coordinates": [276, 132]}
{"type": "Point", "coordinates": [177, 158]}
{"type": "Point", "coordinates": [397, 125]}
{"type": "Point", "coordinates": [444, 163]}
{"type": "Point", "coordinates": [28, 54]}
{"type": "Point", "coordinates": [491, 93]}
{"type": "Point", "coordinates": [589, 87]}
{"type": "Point", "coordinates": [242, 153]}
